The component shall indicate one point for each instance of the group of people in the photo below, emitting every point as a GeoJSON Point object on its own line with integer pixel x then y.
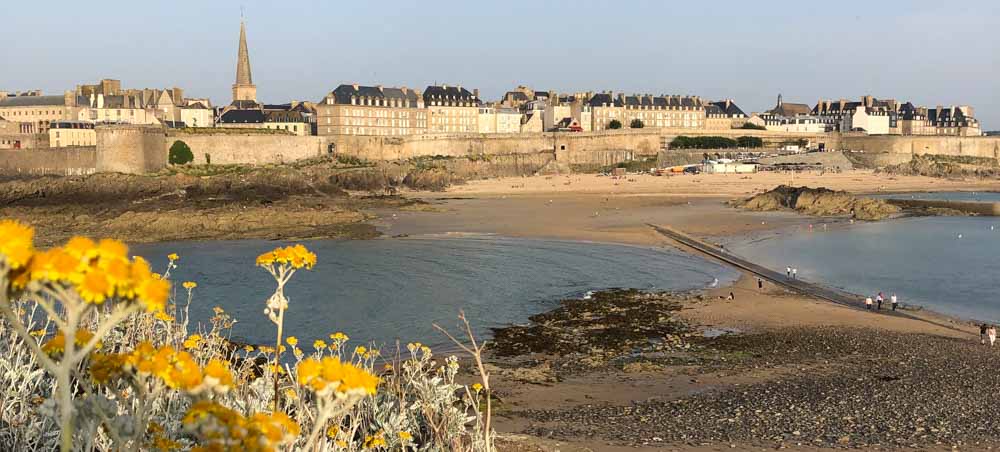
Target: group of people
{"type": "Point", "coordinates": [987, 332]}
{"type": "Point", "coordinates": [791, 273]}
{"type": "Point", "coordinates": [879, 299]}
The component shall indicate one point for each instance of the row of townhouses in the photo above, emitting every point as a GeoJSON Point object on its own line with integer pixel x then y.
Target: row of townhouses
{"type": "Point", "coordinates": [30, 119]}
{"type": "Point", "coordinates": [870, 116]}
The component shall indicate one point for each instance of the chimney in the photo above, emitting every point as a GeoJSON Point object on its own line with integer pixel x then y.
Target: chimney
{"type": "Point", "coordinates": [355, 85]}
{"type": "Point", "coordinates": [379, 87]}
{"type": "Point", "coordinates": [475, 93]}
{"type": "Point", "coordinates": [404, 90]}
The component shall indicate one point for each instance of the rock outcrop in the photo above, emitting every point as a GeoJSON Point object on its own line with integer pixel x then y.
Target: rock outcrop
{"type": "Point", "coordinates": [819, 202]}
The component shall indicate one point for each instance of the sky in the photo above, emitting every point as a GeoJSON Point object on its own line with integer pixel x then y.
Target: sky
{"type": "Point", "coordinates": [928, 52]}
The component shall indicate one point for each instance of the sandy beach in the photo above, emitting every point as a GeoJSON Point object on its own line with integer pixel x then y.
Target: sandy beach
{"type": "Point", "coordinates": [776, 340]}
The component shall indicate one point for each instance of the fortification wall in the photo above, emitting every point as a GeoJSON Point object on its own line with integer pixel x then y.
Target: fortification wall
{"type": "Point", "coordinates": [968, 146]}
{"type": "Point", "coordinates": [130, 149]}
{"type": "Point", "coordinates": [250, 149]}
{"type": "Point", "coordinates": [67, 161]}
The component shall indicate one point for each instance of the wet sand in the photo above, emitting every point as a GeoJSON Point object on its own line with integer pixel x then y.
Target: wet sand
{"type": "Point", "coordinates": [610, 409]}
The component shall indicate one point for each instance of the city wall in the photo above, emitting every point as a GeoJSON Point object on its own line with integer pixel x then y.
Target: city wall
{"type": "Point", "coordinates": [130, 149]}
{"type": "Point", "coordinates": [67, 161]}
{"type": "Point", "coordinates": [255, 149]}
{"type": "Point", "coordinates": [988, 147]}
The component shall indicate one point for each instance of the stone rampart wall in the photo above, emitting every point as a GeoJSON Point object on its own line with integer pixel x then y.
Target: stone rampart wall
{"type": "Point", "coordinates": [66, 161]}
{"type": "Point", "coordinates": [248, 149]}
{"type": "Point", "coordinates": [988, 147]}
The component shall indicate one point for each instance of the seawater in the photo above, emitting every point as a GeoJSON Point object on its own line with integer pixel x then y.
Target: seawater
{"type": "Point", "coordinates": [976, 196]}
{"type": "Point", "coordinates": [388, 289]}
{"type": "Point", "coordinates": [948, 264]}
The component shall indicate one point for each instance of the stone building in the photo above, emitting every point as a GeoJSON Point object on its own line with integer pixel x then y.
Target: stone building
{"type": "Point", "coordinates": [244, 89]}
{"type": "Point", "coordinates": [451, 109]}
{"type": "Point", "coordinates": [788, 109]}
{"type": "Point", "coordinates": [687, 112]}
{"type": "Point", "coordinates": [954, 120]}
{"type": "Point", "coordinates": [498, 119]}
{"type": "Point", "coordinates": [293, 122]}
{"type": "Point", "coordinates": [72, 133]}
{"type": "Point", "coordinates": [33, 112]}
{"type": "Point", "coordinates": [724, 115]}
{"type": "Point", "coordinates": [373, 110]}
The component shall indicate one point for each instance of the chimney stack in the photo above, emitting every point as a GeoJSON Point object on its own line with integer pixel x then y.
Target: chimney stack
{"type": "Point", "coordinates": [475, 93]}
{"type": "Point", "coordinates": [379, 87]}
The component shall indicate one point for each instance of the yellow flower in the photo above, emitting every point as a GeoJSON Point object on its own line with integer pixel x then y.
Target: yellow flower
{"type": "Point", "coordinates": [189, 285]}
{"type": "Point", "coordinates": [95, 287]}
{"type": "Point", "coordinates": [81, 247]}
{"type": "Point", "coordinates": [112, 249]}
{"type": "Point", "coordinates": [153, 293]}
{"type": "Point", "coordinates": [360, 350]}
{"type": "Point", "coordinates": [405, 437]}
{"type": "Point", "coordinates": [163, 316]}
{"type": "Point", "coordinates": [292, 340]}
{"type": "Point", "coordinates": [248, 348]}
{"type": "Point", "coordinates": [319, 375]}
{"type": "Point", "coordinates": [338, 336]}
{"type": "Point", "coordinates": [219, 375]}
{"type": "Point", "coordinates": [477, 387]}
{"type": "Point", "coordinates": [105, 367]}
{"type": "Point", "coordinates": [192, 341]}
{"type": "Point", "coordinates": [57, 345]}
{"type": "Point", "coordinates": [332, 431]}
{"type": "Point", "coordinates": [37, 333]}
{"type": "Point", "coordinates": [16, 243]}
{"type": "Point", "coordinates": [296, 256]}
{"type": "Point", "coordinates": [319, 344]}
{"type": "Point", "coordinates": [373, 441]}
{"type": "Point", "coordinates": [173, 257]}
{"type": "Point", "coordinates": [290, 394]}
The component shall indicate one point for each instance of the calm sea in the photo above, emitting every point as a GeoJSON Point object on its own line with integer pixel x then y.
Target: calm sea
{"type": "Point", "coordinates": [388, 289]}
{"type": "Point", "coordinates": [948, 264]}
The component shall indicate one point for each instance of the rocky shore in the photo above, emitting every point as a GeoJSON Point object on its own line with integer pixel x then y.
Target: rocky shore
{"type": "Point", "coordinates": [282, 202]}
{"type": "Point", "coordinates": [819, 202]}
{"type": "Point", "coordinates": [821, 386]}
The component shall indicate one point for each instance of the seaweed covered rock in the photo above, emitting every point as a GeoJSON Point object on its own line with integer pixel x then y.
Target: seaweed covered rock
{"type": "Point", "coordinates": [819, 202]}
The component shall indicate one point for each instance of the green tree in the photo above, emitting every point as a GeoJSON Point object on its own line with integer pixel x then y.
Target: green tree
{"type": "Point", "coordinates": [615, 124]}
{"type": "Point", "coordinates": [636, 123]}
{"type": "Point", "coordinates": [750, 126]}
{"type": "Point", "coordinates": [180, 153]}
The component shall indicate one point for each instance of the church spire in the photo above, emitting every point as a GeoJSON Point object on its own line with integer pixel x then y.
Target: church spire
{"type": "Point", "coordinates": [244, 88]}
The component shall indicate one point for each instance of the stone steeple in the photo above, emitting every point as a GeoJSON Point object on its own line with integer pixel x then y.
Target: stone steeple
{"type": "Point", "coordinates": [244, 89]}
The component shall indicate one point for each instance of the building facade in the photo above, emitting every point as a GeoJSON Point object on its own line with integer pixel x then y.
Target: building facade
{"type": "Point", "coordinates": [451, 109]}
{"type": "Point", "coordinates": [372, 110]}
{"type": "Point", "coordinates": [687, 112]}
{"type": "Point", "coordinates": [72, 133]}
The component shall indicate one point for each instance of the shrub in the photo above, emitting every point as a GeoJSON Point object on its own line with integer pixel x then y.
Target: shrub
{"type": "Point", "coordinates": [749, 142]}
{"type": "Point", "coordinates": [636, 124]}
{"type": "Point", "coordinates": [615, 124]}
{"type": "Point", "coordinates": [114, 367]}
{"type": "Point", "coordinates": [751, 126]}
{"type": "Point", "coordinates": [180, 153]}
{"type": "Point", "coordinates": [710, 142]}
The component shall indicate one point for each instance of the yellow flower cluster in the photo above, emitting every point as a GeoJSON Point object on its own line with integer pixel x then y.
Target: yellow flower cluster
{"type": "Point", "coordinates": [57, 345]}
{"type": "Point", "coordinates": [96, 271]}
{"type": "Point", "coordinates": [192, 341]}
{"type": "Point", "coordinates": [376, 440]}
{"type": "Point", "coordinates": [16, 243]}
{"type": "Point", "coordinates": [221, 428]}
{"type": "Point", "coordinates": [189, 285]}
{"type": "Point", "coordinates": [177, 369]}
{"type": "Point", "coordinates": [330, 374]}
{"type": "Point", "coordinates": [295, 256]}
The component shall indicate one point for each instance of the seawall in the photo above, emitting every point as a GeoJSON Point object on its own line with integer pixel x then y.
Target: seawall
{"type": "Point", "coordinates": [66, 161]}
{"type": "Point", "coordinates": [250, 149]}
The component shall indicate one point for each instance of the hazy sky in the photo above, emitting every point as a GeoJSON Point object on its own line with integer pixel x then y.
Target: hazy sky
{"type": "Point", "coordinates": [929, 52]}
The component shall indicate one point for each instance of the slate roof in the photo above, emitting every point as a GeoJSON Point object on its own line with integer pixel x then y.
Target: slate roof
{"type": "Point", "coordinates": [343, 94]}
{"type": "Point", "coordinates": [242, 117]}
{"type": "Point", "coordinates": [731, 110]}
{"type": "Point", "coordinates": [32, 101]}
{"type": "Point", "coordinates": [944, 115]}
{"type": "Point", "coordinates": [600, 99]}
{"type": "Point", "coordinates": [909, 112]}
{"type": "Point", "coordinates": [284, 116]}
{"type": "Point", "coordinates": [449, 93]}
{"type": "Point", "coordinates": [791, 109]}
{"type": "Point", "coordinates": [245, 105]}
{"type": "Point", "coordinates": [196, 105]}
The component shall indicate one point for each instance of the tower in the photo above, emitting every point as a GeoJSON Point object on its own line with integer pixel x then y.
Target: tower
{"type": "Point", "coordinates": [779, 94]}
{"type": "Point", "coordinates": [244, 89]}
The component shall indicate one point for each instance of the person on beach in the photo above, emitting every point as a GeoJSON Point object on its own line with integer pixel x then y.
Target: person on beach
{"type": "Point", "coordinates": [788, 272]}
{"type": "Point", "coordinates": [795, 273]}
{"type": "Point", "coordinates": [893, 301]}
{"type": "Point", "coordinates": [991, 333]}
{"type": "Point", "coordinates": [878, 299]}
{"type": "Point", "coordinates": [760, 284]}
{"type": "Point", "coordinates": [982, 333]}
{"type": "Point", "coordinates": [732, 296]}
{"type": "Point", "coordinates": [868, 303]}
